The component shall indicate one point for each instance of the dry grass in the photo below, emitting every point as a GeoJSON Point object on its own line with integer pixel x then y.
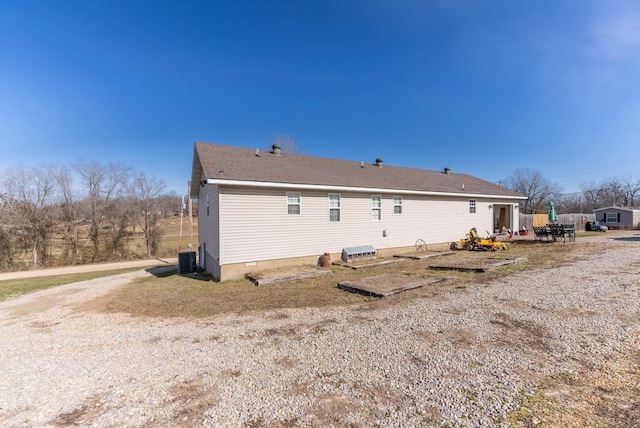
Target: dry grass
{"type": "Point", "coordinates": [17, 287]}
{"type": "Point", "coordinates": [171, 295]}
{"type": "Point", "coordinates": [604, 396]}
{"type": "Point", "coordinates": [608, 395]}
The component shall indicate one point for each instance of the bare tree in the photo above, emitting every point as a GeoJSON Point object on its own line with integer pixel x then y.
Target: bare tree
{"type": "Point", "coordinates": [104, 186]}
{"type": "Point", "coordinates": [6, 239]}
{"type": "Point", "coordinates": [623, 191]}
{"type": "Point", "coordinates": [169, 204]}
{"type": "Point", "coordinates": [6, 249]}
{"type": "Point", "coordinates": [147, 191]}
{"type": "Point", "coordinates": [28, 195]}
{"type": "Point", "coordinates": [594, 195]}
{"type": "Point", "coordinates": [116, 216]}
{"type": "Point", "coordinates": [566, 204]}
{"type": "Point", "coordinates": [68, 213]}
{"type": "Point", "coordinates": [287, 144]}
{"type": "Point", "coordinates": [538, 189]}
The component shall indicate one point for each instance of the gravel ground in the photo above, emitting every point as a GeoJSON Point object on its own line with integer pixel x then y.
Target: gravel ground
{"type": "Point", "coordinates": [462, 358]}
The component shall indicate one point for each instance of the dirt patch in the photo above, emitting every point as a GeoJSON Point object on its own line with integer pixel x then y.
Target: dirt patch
{"type": "Point", "coordinates": [462, 338]}
{"type": "Point", "coordinates": [44, 327]}
{"type": "Point", "coordinates": [193, 399]}
{"type": "Point", "coordinates": [516, 332]}
{"type": "Point", "coordinates": [291, 332]}
{"type": "Point", "coordinates": [286, 362]}
{"type": "Point", "coordinates": [91, 408]}
{"type": "Point", "coordinates": [388, 284]}
{"type": "Point", "coordinates": [42, 303]}
{"type": "Point", "coordinates": [229, 374]}
{"type": "Point", "coordinates": [367, 265]}
{"type": "Point", "coordinates": [478, 265]}
{"type": "Point", "coordinates": [286, 274]}
{"type": "Point", "coordinates": [333, 410]}
{"type": "Point", "coordinates": [604, 396]}
{"type": "Point", "coordinates": [416, 255]}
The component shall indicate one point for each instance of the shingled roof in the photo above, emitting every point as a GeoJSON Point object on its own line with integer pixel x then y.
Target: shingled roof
{"type": "Point", "coordinates": [220, 163]}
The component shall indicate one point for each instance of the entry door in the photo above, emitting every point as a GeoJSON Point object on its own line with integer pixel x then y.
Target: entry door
{"type": "Point", "coordinates": [502, 218]}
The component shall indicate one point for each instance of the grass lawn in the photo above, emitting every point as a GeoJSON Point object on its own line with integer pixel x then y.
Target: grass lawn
{"type": "Point", "coordinates": [172, 295]}
{"type": "Point", "coordinates": [16, 287]}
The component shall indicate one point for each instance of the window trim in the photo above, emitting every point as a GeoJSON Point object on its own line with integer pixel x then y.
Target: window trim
{"type": "Point", "coordinates": [615, 216]}
{"type": "Point", "coordinates": [473, 204]}
{"type": "Point", "coordinates": [338, 208]}
{"type": "Point", "coordinates": [397, 205]}
{"type": "Point", "coordinates": [298, 196]}
{"type": "Point", "coordinates": [376, 209]}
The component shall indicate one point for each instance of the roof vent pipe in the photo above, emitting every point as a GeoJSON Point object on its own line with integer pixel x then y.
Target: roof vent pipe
{"type": "Point", "coordinates": [447, 170]}
{"type": "Point", "coordinates": [379, 162]}
{"type": "Point", "coordinates": [361, 164]}
{"type": "Point", "coordinates": [276, 149]}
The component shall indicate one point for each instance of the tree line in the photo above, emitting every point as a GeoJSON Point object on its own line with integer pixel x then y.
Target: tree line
{"type": "Point", "coordinates": [90, 209]}
{"type": "Point", "coordinates": [614, 191]}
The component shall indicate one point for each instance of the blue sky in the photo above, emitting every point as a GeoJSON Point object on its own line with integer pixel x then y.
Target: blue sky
{"type": "Point", "coordinates": [483, 87]}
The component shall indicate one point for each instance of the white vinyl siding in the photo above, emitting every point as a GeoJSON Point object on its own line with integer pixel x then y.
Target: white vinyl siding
{"type": "Point", "coordinates": [376, 208]}
{"type": "Point", "coordinates": [397, 204]}
{"type": "Point", "coordinates": [334, 207]}
{"type": "Point", "coordinates": [293, 203]}
{"type": "Point", "coordinates": [209, 225]}
{"type": "Point", "coordinates": [254, 226]}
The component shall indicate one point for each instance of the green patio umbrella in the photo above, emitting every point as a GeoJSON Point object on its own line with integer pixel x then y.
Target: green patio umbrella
{"type": "Point", "coordinates": [553, 217]}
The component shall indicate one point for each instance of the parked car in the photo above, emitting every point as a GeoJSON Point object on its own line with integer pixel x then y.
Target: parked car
{"type": "Point", "coordinates": [595, 226]}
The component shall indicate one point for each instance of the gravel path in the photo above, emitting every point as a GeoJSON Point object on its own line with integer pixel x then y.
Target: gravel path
{"type": "Point", "coordinates": [459, 359]}
{"type": "Point", "coordinates": [87, 268]}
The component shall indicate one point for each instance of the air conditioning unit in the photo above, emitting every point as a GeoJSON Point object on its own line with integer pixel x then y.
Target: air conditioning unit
{"type": "Point", "coordinates": [186, 262]}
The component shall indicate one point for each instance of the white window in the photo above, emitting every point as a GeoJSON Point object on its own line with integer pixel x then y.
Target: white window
{"type": "Point", "coordinates": [397, 204]}
{"type": "Point", "coordinates": [472, 206]}
{"type": "Point", "coordinates": [376, 208]}
{"type": "Point", "coordinates": [612, 218]}
{"type": "Point", "coordinates": [334, 207]}
{"type": "Point", "coordinates": [293, 203]}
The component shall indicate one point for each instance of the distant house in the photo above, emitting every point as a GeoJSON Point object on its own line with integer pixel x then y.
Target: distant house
{"type": "Point", "coordinates": [263, 209]}
{"type": "Point", "coordinates": [619, 217]}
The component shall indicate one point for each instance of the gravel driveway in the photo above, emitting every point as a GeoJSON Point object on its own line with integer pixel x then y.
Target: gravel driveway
{"type": "Point", "coordinates": [462, 358]}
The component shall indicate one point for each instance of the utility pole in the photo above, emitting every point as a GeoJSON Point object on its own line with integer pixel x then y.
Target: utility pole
{"type": "Point", "coordinates": [190, 216]}
{"type": "Point", "coordinates": [181, 215]}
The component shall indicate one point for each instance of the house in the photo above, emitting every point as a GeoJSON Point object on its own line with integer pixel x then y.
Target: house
{"type": "Point", "coordinates": [264, 209]}
{"type": "Point", "coordinates": [619, 217]}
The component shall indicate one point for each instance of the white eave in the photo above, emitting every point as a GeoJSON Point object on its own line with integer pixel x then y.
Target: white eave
{"type": "Point", "coordinates": [272, 185]}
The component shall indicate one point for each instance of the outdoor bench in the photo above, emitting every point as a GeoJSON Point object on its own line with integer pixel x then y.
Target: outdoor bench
{"type": "Point", "coordinates": [563, 231]}
{"type": "Point", "coordinates": [541, 232]}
